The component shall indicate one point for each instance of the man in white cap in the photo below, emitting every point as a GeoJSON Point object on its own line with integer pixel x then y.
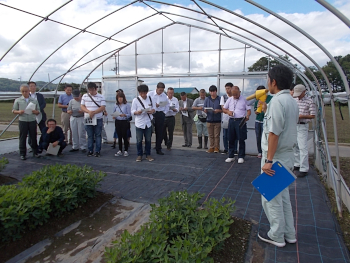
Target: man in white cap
{"type": "Point", "coordinates": [307, 111]}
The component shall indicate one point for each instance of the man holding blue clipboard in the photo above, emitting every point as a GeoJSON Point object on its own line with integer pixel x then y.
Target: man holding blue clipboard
{"type": "Point", "coordinates": [279, 137]}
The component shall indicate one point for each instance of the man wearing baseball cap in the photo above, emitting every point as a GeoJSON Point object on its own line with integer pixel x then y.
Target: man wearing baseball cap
{"type": "Point", "coordinates": [307, 111]}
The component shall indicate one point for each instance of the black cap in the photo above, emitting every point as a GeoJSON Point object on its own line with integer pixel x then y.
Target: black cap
{"type": "Point", "coordinates": [76, 93]}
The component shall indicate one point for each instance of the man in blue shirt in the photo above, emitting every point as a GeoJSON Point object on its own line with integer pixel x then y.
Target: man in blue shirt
{"type": "Point", "coordinates": [213, 110]}
{"type": "Point", "coordinates": [63, 101]}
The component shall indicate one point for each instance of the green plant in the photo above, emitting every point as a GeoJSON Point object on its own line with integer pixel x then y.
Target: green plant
{"type": "Point", "coordinates": [3, 162]}
{"type": "Point", "coordinates": [69, 184]}
{"type": "Point", "coordinates": [178, 231]}
{"type": "Point", "coordinates": [52, 190]}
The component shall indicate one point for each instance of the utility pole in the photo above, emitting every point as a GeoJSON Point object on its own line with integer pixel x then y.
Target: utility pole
{"type": "Point", "coordinates": [20, 79]}
{"type": "Point", "coordinates": [179, 83]}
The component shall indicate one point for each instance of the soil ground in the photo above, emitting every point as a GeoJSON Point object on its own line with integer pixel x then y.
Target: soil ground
{"type": "Point", "coordinates": [233, 250]}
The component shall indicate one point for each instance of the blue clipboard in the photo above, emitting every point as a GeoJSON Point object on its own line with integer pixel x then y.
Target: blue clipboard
{"type": "Point", "coordinates": [270, 186]}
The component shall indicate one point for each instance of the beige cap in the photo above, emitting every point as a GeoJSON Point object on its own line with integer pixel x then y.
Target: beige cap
{"type": "Point", "coordinates": [298, 89]}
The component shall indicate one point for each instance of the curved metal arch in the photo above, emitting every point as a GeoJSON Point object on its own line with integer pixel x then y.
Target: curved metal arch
{"type": "Point", "coordinates": [70, 69]}
{"type": "Point", "coordinates": [335, 12]}
{"type": "Point", "coordinates": [335, 62]}
{"type": "Point", "coordinates": [156, 30]}
{"type": "Point", "coordinates": [58, 22]}
{"type": "Point", "coordinates": [81, 31]}
{"type": "Point", "coordinates": [257, 24]}
{"type": "Point", "coordinates": [33, 28]}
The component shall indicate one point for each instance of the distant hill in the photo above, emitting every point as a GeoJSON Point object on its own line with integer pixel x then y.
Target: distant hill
{"type": "Point", "coordinates": [13, 85]}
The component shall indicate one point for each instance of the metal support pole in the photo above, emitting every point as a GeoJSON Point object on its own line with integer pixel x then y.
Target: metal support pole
{"type": "Point", "coordinates": [245, 52]}
{"type": "Point", "coordinates": [189, 50]}
{"type": "Point", "coordinates": [162, 50]}
{"type": "Point", "coordinates": [219, 64]}
{"type": "Point", "coordinates": [118, 64]}
{"type": "Point", "coordinates": [268, 63]}
{"type": "Point", "coordinates": [135, 57]}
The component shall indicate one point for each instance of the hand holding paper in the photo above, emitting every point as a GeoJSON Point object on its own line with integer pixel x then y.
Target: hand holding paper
{"type": "Point", "coordinates": [208, 108]}
{"type": "Point", "coordinates": [163, 103]}
{"type": "Point", "coordinates": [116, 114]}
{"type": "Point", "coordinates": [30, 108]}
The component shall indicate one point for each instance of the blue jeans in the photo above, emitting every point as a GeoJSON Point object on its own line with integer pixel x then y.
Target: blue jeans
{"type": "Point", "coordinates": [94, 133]}
{"type": "Point", "coordinates": [258, 133]}
{"type": "Point", "coordinates": [147, 132]}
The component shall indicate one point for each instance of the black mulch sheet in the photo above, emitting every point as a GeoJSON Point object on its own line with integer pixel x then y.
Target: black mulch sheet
{"type": "Point", "coordinates": [319, 235]}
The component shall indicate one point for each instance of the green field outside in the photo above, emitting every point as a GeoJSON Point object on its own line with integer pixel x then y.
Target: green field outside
{"type": "Point", "coordinates": [342, 125]}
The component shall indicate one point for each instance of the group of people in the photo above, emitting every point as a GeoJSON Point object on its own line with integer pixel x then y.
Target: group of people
{"type": "Point", "coordinates": [30, 108]}
{"type": "Point", "coordinates": [281, 127]}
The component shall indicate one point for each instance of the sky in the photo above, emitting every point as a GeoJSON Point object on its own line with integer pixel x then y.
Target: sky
{"type": "Point", "coordinates": [24, 59]}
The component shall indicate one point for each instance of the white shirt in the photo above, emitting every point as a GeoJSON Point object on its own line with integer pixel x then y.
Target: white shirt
{"type": "Point", "coordinates": [225, 116]}
{"type": "Point", "coordinates": [33, 95]}
{"type": "Point", "coordinates": [172, 102]}
{"type": "Point", "coordinates": [156, 99]}
{"type": "Point", "coordinates": [144, 120]}
{"type": "Point", "coordinates": [91, 106]}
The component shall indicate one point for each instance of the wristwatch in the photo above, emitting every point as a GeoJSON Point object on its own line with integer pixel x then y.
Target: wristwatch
{"type": "Point", "coordinates": [268, 161]}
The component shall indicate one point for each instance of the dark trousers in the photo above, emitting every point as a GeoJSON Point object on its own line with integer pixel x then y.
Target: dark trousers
{"type": "Point", "coordinates": [26, 128]}
{"type": "Point", "coordinates": [159, 118]}
{"type": "Point", "coordinates": [121, 127]}
{"type": "Point", "coordinates": [45, 145]}
{"type": "Point", "coordinates": [187, 129]}
{"type": "Point", "coordinates": [236, 133]}
{"type": "Point", "coordinates": [225, 139]}
{"type": "Point", "coordinates": [41, 125]}
{"type": "Point", "coordinates": [258, 133]}
{"type": "Point", "coordinates": [169, 126]}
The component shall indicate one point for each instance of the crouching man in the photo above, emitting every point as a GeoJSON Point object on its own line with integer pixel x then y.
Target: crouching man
{"type": "Point", "coordinates": [52, 134]}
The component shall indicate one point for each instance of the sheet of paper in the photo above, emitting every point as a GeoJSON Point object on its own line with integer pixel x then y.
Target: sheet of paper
{"type": "Point", "coordinates": [184, 113]}
{"type": "Point", "coordinates": [147, 109]}
{"type": "Point", "coordinates": [52, 150]}
{"type": "Point", "coordinates": [204, 114]}
{"type": "Point", "coordinates": [30, 108]}
{"type": "Point", "coordinates": [116, 114]}
{"type": "Point", "coordinates": [88, 120]}
{"type": "Point", "coordinates": [172, 107]}
{"type": "Point", "coordinates": [208, 108]}
{"type": "Point", "coordinates": [38, 117]}
{"type": "Point", "coordinates": [163, 103]}
{"type": "Point", "coordinates": [200, 105]}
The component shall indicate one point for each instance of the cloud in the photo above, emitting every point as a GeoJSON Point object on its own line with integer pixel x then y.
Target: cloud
{"type": "Point", "coordinates": [35, 47]}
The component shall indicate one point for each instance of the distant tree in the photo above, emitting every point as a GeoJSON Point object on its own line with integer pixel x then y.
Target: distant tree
{"type": "Point", "coordinates": [263, 64]}
{"type": "Point", "coordinates": [332, 74]}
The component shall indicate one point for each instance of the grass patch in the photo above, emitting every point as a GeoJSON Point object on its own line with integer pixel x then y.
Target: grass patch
{"type": "Point", "coordinates": [9, 134]}
{"type": "Point", "coordinates": [342, 125]}
{"type": "Point", "coordinates": [7, 115]}
{"type": "Point", "coordinates": [343, 221]}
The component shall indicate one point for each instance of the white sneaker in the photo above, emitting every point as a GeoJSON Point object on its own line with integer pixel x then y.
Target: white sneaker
{"type": "Point", "coordinates": [228, 160]}
{"type": "Point", "coordinates": [240, 160]}
{"type": "Point", "coordinates": [126, 153]}
{"type": "Point", "coordinates": [291, 241]}
{"type": "Point", "coordinates": [119, 153]}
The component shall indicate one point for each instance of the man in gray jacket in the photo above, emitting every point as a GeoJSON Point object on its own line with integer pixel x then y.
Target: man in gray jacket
{"type": "Point", "coordinates": [27, 121]}
{"type": "Point", "coordinates": [187, 114]}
